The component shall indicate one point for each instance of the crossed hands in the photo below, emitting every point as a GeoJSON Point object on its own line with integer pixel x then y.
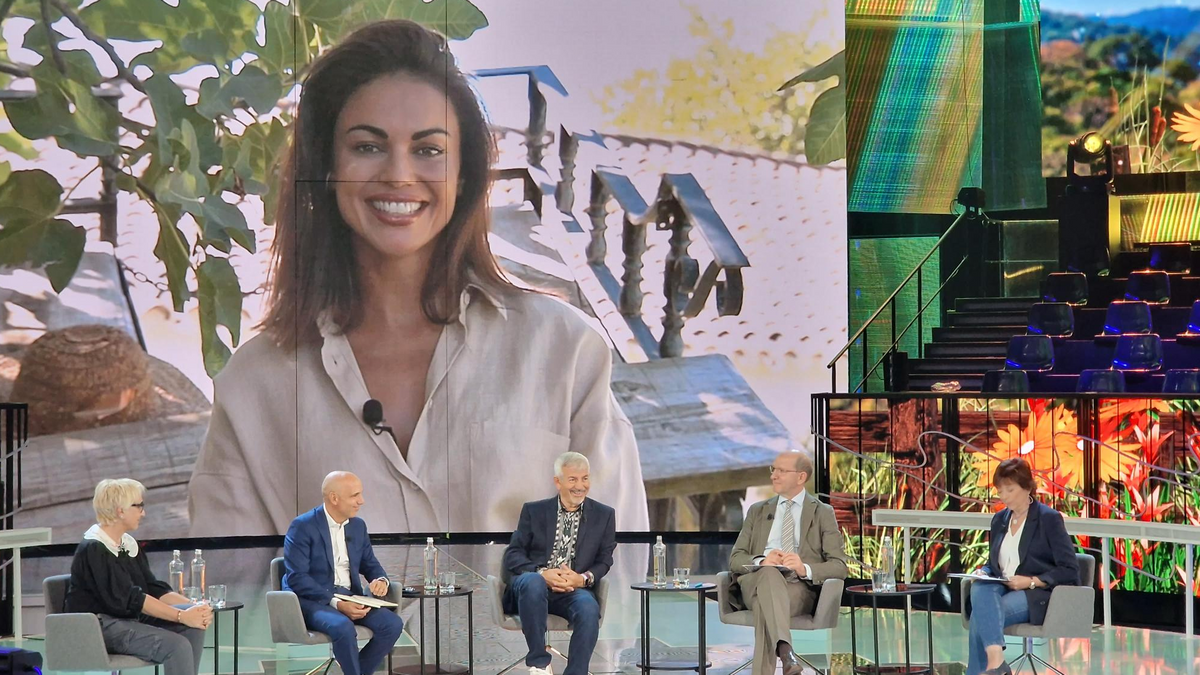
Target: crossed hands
{"type": "Point", "coordinates": [355, 611]}
{"type": "Point", "coordinates": [563, 579]}
{"type": "Point", "coordinates": [788, 560]}
{"type": "Point", "coordinates": [197, 616]}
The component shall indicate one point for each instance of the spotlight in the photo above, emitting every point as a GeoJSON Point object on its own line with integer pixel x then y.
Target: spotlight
{"type": "Point", "coordinates": [1089, 222]}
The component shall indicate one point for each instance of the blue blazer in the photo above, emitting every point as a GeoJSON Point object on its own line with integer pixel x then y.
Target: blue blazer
{"type": "Point", "coordinates": [533, 541]}
{"type": "Point", "coordinates": [308, 558]}
{"type": "Point", "coordinates": [1045, 550]}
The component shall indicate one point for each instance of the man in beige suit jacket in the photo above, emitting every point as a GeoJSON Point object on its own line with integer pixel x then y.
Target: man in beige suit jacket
{"type": "Point", "coordinates": [812, 552]}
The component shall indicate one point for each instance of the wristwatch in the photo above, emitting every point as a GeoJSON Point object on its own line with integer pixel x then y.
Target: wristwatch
{"type": "Point", "coordinates": [588, 579]}
{"type": "Point", "coordinates": [1032, 583]}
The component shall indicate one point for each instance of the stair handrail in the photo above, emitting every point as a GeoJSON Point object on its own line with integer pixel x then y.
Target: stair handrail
{"type": "Point", "coordinates": [972, 201]}
{"type": "Point", "coordinates": [680, 206]}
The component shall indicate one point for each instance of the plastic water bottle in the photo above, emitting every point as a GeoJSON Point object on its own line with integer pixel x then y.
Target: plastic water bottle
{"type": "Point", "coordinates": [887, 562]}
{"type": "Point", "coordinates": [175, 573]}
{"type": "Point", "coordinates": [660, 563]}
{"type": "Point", "coordinates": [431, 567]}
{"type": "Point", "coordinates": [198, 574]}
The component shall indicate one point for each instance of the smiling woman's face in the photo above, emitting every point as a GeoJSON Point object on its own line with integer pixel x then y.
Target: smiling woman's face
{"type": "Point", "coordinates": [396, 166]}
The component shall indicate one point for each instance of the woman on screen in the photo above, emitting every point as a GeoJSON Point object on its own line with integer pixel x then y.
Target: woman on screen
{"type": "Point", "coordinates": [383, 288]}
{"type": "Point", "coordinates": [1029, 547]}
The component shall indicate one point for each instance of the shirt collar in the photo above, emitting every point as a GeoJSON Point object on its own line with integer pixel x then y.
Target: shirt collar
{"type": "Point", "coordinates": [474, 288]}
{"type": "Point", "coordinates": [333, 524]}
{"type": "Point", "coordinates": [798, 500]}
{"type": "Point", "coordinates": [128, 543]}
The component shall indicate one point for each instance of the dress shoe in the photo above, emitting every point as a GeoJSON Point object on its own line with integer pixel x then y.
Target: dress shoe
{"type": "Point", "coordinates": [1001, 669]}
{"type": "Point", "coordinates": [791, 663]}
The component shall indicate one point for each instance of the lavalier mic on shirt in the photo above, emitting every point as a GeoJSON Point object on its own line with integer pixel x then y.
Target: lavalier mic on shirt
{"type": "Point", "coordinates": [372, 415]}
{"type": "Point", "coordinates": [771, 515]}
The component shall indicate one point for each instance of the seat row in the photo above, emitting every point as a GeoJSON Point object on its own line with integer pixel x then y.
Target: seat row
{"type": "Point", "coordinates": [1123, 317]}
{"type": "Point", "coordinates": [1152, 286]}
{"type": "Point", "coordinates": [1093, 380]}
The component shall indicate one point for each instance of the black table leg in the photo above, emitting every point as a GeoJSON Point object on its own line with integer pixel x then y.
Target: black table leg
{"type": "Point", "coordinates": [703, 647]}
{"type": "Point", "coordinates": [645, 633]}
{"type": "Point", "coordinates": [875, 629]}
{"type": "Point", "coordinates": [929, 616]}
{"type": "Point", "coordinates": [853, 635]}
{"type": "Point", "coordinates": [422, 610]}
{"type": "Point", "coordinates": [470, 634]}
{"type": "Point", "coordinates": [216, 643]}
{"type": "Point", "coordinates": [907, 644]}
{"type": "Point", "coordinates": [235, 640]}
{"type": "Point", "coordinates": [437, 635]}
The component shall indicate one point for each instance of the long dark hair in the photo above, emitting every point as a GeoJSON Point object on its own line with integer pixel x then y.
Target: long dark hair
{"type": "Point", "coordinates": [313, 266]}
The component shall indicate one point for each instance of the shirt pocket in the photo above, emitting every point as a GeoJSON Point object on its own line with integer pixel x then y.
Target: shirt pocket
{"type": "Point", "coordinates": [514, 464]}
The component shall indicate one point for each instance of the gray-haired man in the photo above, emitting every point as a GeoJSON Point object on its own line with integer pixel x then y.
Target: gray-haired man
{"type": "Point", "coordinates": [561, 548]}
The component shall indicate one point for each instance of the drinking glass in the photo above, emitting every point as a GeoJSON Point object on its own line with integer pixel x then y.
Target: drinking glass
{"type": "Point", "coordinates": [193, 594]}
{"type": "Point", "coordinates": [216, 595]}
{"type": "Point", "coordinates": [878, 581]}
{"type": "Point", "coordinates": [682, 576]}
{"type": "Point", "coordinates": [446, 582]}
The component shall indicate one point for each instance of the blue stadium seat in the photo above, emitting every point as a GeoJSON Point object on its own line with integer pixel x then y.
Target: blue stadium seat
{"type": "Point", "coordinates": [1124, 317]}
{"type": "Point", "coordinates": [1192, 332]}
{"type": "Point", "coordinates": [1069, 287]}
{"type": "Point", "coordinates": [1181, 381]}
{"type": "Point", "coordinates": [1005, 381]}
{"type": "Point", "coordinates": [1032, 353]}
{"type": "Point", "coordinates": [1101, 381]}
{"type": "Point", "coordinates": [1175, 257]}
{"type": "Point", "coordinates": [1052, 319]}
{"type": "Point", "coordinates": [1150, 286]}
{"type": "Point", "coordinates": [1138, 353]}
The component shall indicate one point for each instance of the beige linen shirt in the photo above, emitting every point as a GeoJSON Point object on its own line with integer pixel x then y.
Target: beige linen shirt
{"type": "Point", "coordinates": [514, 382]}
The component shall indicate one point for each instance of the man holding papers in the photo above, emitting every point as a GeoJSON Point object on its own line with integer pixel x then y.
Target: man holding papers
{"type": "Point", "coordinates": [325, 551]}
{"type": "Point", "coordinates": [788, 544]}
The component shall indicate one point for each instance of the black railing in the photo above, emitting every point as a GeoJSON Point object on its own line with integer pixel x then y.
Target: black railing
{"type": "Point", "coordinates": [972, 201]}
{"type": "Point", "coordinates": [14, 434]}
{"type": "Point", "coordinates": [680, 206]}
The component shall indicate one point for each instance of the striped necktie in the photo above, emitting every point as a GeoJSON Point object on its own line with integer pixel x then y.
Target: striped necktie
{"type": "Point", "coordinates": [788, 536]}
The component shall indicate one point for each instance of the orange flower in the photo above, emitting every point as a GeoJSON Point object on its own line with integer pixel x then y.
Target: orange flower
{"type": "Point", "coordinates": [1188, 126]}
{"type": "Point", "coordinates": [1039, 443]}
{"type": "Point", "coordinates": [1115, 411]}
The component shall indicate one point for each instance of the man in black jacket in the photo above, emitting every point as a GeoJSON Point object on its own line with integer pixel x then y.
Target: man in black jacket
{"type": "Point", "coordinates": [562, 547]}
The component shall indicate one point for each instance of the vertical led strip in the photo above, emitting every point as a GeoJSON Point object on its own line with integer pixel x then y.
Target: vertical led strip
{"type": "Point", "coordinates": [915, 81]}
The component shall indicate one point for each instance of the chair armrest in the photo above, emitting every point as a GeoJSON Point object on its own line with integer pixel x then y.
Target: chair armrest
{"type": "Point", "coordinates": [726, 604]}
{"type": "Point", "coordinates": [496, 593]}
{"type": "Point", "coordinates": [395, 593]}
{"type": "Point", "coordinates": [602, 595]}
{"type": "Point", "coordinates": [825, 615]}
{"type": "Point", "coordinates": [1070, 612]}
{"type": "Point", "coordinates": [964, 596]}
{"type": "Point", "coordinates": [74, 642]}
{"type": "Point", "coordinates": [287, 621]}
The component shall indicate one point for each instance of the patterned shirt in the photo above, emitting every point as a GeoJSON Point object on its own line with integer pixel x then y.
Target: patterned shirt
{"type": "Point", "coordinates": [566, 534]}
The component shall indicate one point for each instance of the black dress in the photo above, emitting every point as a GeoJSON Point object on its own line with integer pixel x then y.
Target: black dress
{"type": "Point", "coordinates": [116, 585]}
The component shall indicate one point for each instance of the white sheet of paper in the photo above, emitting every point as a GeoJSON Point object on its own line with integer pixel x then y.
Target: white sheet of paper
{"type": "Point", "coordinates": [977, 577]}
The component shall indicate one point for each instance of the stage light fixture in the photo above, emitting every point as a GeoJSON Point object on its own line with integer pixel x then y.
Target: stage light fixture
{"type": "Point", "coordinates": [1089, 221]}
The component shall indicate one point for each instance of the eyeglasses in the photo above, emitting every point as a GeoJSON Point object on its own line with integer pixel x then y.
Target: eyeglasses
{"type": "Point", "coordinates": [139, 505]}
{"type": "Point", "coordinates": [775, 470]}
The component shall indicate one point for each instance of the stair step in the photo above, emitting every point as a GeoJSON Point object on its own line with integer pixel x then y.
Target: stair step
{"type": "Point", "coordinates": [990, 348]}
{"type": "Point", "coordinates": [976, 333]}
{"type": "Point", "coordinates": [968, 365]}
{"type": "Point", "coordinates": [1020, 304]}
{"type": "Point", "coordinates": [956, 318]}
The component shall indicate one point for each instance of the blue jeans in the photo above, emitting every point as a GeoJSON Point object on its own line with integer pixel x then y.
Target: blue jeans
{"type": "Point", "coordinates": [993, 606]}
{"type": "Point", "coordinates": [532, 600]}
{"type": "Point", "coordinates": [384, 623]}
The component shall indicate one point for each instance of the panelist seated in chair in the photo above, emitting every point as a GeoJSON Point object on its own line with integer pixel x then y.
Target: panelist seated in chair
{"type": "Point", "coordinates": [325, 551]}
{"type": "Point", "coordinates": [795, 530]}
{"type": "Point", "coordinates": [560, 550]}
{"type": "Point", "coordinates": [138, 614]}
{"type": "Point", "coordinates": [1029, 546]}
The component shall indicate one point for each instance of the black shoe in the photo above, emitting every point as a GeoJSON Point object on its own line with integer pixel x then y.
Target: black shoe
{"type": "Point", "coordinates": [1001, 669]}
{"type": "Point", "coordinates": [791, 663]}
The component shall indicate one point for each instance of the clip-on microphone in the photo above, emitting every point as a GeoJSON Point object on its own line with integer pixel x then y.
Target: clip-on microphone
{"type": "Point", "coordinates": [372, 415]}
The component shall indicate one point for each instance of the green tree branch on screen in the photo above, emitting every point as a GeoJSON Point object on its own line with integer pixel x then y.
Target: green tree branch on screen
{"type": "Point", "coordinates": [221, 140]}
{"type": "Point", "coordinates": [825, 131]}
{"type": "Point", "coordinates": [726, 95]}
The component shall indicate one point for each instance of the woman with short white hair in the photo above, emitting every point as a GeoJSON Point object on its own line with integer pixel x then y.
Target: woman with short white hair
{"type": "Point", "coordinates": [139, 615]}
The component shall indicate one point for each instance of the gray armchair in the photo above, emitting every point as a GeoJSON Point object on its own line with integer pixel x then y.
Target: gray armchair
{"type": "Point", "coordinates": [496, 589]}
{"type": "Point", "coordinates": [287, 622]}
{"type": "Point", "coordinates": [1069, 614]}
{"type": "Point", "coordinates": [825, 615]}
{"type": "Point", "coordinates": [73, 641]}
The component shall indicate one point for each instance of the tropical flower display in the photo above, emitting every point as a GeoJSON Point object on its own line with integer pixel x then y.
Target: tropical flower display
{"type": "Point", "coordinates": [1142, 457]}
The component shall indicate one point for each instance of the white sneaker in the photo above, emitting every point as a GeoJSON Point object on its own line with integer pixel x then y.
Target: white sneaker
{"type": "Point", "coordinates": [541, 671]}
